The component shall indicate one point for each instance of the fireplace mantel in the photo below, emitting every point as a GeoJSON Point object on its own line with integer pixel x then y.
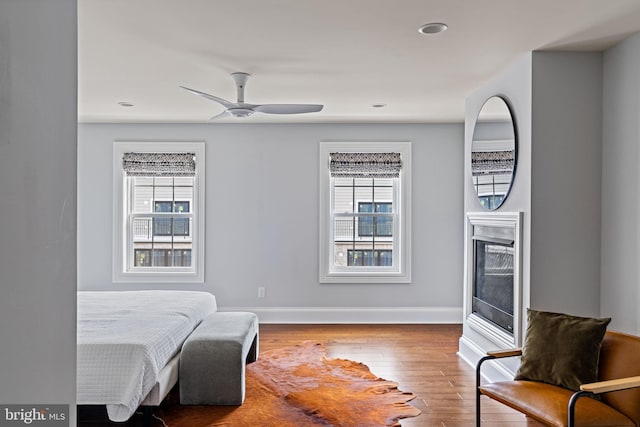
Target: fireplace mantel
{"type": "Point", "coordinates": [480, 334]}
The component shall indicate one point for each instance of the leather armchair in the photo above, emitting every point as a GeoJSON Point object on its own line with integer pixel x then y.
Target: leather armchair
{"type": "Point", "coordinates": [618, 388]}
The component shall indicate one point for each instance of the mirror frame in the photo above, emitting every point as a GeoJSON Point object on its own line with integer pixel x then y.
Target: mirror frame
{"type": "Point", "coordinates": [474, 138]}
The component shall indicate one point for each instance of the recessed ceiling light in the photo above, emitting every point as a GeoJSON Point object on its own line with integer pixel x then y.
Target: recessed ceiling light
{"type": "Point", "coordinates": [125, 104]}
{"type": "Point", "coordinates": [378, 105]}
{"type": "Point", "coordinates": [433, 28]}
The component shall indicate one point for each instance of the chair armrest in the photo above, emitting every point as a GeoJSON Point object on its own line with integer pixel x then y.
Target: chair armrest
{"type": "Point", "coordinates": [597, 388]}
{"type": "Point", "coordinates": [498, 354]}
{"type": "Point", "coordinates": [611, 385]}
{"type": "Point", "coordinates": [495, 354]}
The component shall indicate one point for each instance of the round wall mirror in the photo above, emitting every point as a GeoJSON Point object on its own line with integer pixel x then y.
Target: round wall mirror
{"type": "Point", "coordinates": [493, 153]}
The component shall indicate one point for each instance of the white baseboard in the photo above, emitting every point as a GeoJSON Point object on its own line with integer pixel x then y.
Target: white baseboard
{"type": "Point", "coordinates": [328, 315]}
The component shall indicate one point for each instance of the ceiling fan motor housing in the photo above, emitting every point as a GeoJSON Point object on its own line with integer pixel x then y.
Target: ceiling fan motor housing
{"type": "Point", "coordinates": [241, 81]}
{"type": "Point", "coordinates": [240, 112]}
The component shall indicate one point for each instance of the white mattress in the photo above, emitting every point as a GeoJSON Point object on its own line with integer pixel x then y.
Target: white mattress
{"type": "Point", "coordinates": [126, 337]}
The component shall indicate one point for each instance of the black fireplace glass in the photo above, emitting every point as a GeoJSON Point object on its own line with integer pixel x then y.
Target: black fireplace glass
{"type": "Point", "coordinates": [493, 283]}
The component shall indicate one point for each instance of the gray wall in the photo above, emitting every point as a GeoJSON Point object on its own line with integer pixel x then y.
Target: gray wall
{"type": "Point", "coordinates": [565, 182]}
{"type": "Point", "coordinates": [38, 202]}
{"type": "Point", "coordinates": [620, 293]}
{"type": "Point", "coordinates": [262, 213]}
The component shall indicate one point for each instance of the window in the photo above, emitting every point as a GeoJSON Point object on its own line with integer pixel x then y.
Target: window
{"type": "Point", "coordinates": [365, 212]}
{"type": "Point", "coordinates": [159, 212]}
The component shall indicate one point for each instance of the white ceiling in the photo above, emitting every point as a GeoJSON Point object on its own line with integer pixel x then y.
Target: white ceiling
{"type": "Point", "coordinates": [345, 54]}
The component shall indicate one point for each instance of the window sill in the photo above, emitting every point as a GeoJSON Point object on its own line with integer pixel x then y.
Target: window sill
{"type": "Point", "coordinates": [159, 277]}
{"type": "Point", "coordinates": [360, 277]}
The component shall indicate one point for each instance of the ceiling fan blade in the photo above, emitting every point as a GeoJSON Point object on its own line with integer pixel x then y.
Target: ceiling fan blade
{"type": "Point", "coordinates": [288, 108]}
{"type": "Point", "coordinates": [225, 113]}
{"type": "Point", "coordinates": [224, 102]}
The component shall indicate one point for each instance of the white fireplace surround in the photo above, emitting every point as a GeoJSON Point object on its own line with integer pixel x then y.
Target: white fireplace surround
{"type": "Point", "coordinates": [489, 331]}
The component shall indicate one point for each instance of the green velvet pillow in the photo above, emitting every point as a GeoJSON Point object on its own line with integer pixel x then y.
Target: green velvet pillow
{"type": "Point", "coordinates": [561, 349]}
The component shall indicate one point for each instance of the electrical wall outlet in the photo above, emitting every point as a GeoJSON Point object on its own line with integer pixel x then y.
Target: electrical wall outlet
{"type": "Point", "coordinates": [261, 292]}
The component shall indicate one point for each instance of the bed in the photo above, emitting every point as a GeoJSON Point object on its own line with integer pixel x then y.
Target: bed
{"type": "Point", "coordinates": [129, 344]}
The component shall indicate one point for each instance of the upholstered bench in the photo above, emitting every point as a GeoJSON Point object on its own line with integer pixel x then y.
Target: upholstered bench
{"type": "Point", "coordinates": [214, 357]}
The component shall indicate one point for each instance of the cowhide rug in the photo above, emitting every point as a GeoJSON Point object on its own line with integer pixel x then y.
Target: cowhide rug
{"type": "Point", "coordinates": [299, 386]}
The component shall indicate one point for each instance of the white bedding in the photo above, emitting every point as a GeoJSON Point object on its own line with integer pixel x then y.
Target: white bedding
{"type": "Point", "coordinates": [126, 337]}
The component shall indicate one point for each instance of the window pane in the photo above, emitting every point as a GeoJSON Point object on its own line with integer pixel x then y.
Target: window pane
{"type": "Point", "coordinates": [365, 207]}
{"type": "Point", "coordinates": [163, 181]}
{"type": "Point", "coordinates": [383, 194]}
{"type": "Point", "coordinates": [384, 182]}
{"type": "Point", "coordinates": [384, 226]}
{"type": "Point", "coordinates": [343, 181]}
{"type": "Point", "coordinates": [162, 226]}
{"type": "Point", "coordinates": [182, 258]}
{"type": "Point", "coordinates": [181, 207]}
{"type": "Point", "coordinates": [142, 197]}
{"type": "Point", "coordinates": [343, 198]}
{"type": "Point", "coordinates": [363, 182]}
{"type": "Point", "coordinates": [377, 258]}
{"type": "Point", "coordinates": [183, 193]}
{"type": "Point", "coordinates": [143, 180]}
{"type": "Point", "coordinates": [142, 229]}
{"type": "Point", "coordinates": [367, 258]}
{"type": "Point", "coordinates": [142, 258]}
{"type": "Point", "coordinates": [385, 258]}
{"type": "Point", "coordinates": [343, 229]}
{"type": "Point", "coordinates": [365, 223]}
{"type": "Point", "coordinates": [355, 257]}
{"type": "Point", "coordinates": [162, 207]}
{"type": "Point", "coordinates": [186, 181]}
{"type": "Point", "coordinates": [160, 258]}
{"type": "Point", "coordinates": [163, 193]}
{"type": "Point", "coordinates": [181, 226]}
{"type": "Point", "coordinates": [363, 194]}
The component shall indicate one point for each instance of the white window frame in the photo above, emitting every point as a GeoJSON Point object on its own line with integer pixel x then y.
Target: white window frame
{"type": "Point", "coordinates": [122, 272]}
{"type": "Point", "coordinates": [401, 271]}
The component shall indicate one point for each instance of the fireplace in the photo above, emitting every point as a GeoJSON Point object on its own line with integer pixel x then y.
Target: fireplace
{"type": "Point", "coordinates": [492, 303]}
{"type": "Point", "coordinates": [492, 294]}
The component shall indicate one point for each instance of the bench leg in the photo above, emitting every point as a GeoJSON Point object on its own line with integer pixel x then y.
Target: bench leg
{"type": "Point", "coordinates": [252, 355]}
{"type": "Point", "coordinates": [147, 412]}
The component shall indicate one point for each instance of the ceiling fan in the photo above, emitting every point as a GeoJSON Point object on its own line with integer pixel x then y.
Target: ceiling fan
{"type": "Point", "coordinates": [242, 109]}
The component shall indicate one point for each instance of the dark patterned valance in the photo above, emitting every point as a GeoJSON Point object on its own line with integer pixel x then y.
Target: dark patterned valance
{"type": "Point", "coordinates": [492, 162]}
{"type": "Point", "coordinates": [159, 164]}
{"type": "Point", "coordinates": [373, 165]}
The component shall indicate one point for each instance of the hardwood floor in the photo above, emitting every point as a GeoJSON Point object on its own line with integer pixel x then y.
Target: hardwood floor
{"type": "Point", "coordinates": [421, 358]}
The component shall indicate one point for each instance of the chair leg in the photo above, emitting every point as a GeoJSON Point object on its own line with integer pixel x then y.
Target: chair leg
{"type": "Point", "coordinates": [478, 394]}
{"type": "Point", "coordinates": [478, 422]}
